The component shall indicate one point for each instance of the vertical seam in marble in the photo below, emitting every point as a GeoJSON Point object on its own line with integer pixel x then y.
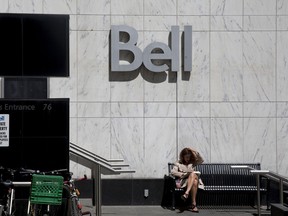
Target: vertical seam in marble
{"type": "Point", "coordinates": [242, 68]}
{"type": "Point", "coordinates": [143, 80]}
{"type": "Point", "coordinates": [177, 120]}
{"type": "Point", "coordinates": [77, 78]}
{"type": "Point", "coordinates": [110, 101]}
{"type": "Point", "coordinates": [77, 68]}
{"type": "Point", "coordinates": [276, 93]}
{"type": "Point", "coordinates": [210, 122]}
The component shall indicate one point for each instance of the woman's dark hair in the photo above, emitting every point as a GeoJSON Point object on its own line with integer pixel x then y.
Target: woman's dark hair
{"type": "Point", "coordinates": [187, 151]}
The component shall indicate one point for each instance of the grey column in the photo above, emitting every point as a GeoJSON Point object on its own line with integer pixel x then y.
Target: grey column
{"type": "Point", "coordinates": [96, 175]}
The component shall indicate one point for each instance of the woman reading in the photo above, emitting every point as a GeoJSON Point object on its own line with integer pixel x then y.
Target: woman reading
{"type": "Point", "coordinates": [183, 169]}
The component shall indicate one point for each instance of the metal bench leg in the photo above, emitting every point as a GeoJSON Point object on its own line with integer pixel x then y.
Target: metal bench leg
{"type": "Point", "coordinates": [28, 208]}
{"type": "Point", "coordinates": [173, 201]}
{"type": "Point", "coordinates": [268, 195]}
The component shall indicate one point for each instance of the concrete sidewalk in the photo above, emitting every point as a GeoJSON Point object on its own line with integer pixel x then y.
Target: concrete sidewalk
{"type": "Point", "coordinates": [158, 211]}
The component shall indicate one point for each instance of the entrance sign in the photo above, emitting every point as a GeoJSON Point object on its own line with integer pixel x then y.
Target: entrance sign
{"type": "Point", "coordinates": [146, 57]}
{"type": "Point", "coordinates": [4, 130]}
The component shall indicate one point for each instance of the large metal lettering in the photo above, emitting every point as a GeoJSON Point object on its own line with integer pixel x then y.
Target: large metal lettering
{"type": "Point", "coordinates": [148, 55]}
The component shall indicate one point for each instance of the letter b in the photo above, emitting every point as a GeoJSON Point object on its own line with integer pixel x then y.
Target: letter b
{"type": "Point", "coordinates": [117, 46]}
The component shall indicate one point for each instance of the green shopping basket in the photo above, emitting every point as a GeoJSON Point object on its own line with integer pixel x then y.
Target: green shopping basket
{"type": "Point", "coordinates": [46, 189]}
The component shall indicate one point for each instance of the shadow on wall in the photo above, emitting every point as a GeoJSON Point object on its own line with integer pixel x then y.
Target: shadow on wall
{"type": "Point", "coordinates": [149, 76]}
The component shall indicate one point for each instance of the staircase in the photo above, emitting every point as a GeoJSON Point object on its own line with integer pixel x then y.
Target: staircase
{"type": "Point", "coordinates": [99, 166]}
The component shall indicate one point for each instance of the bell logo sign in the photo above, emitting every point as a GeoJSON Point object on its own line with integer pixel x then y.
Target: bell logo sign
{"type": "Point", "coordinates": [149, 54]}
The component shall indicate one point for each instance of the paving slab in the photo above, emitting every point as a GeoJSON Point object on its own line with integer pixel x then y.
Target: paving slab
{"type": "Point", "coordinates": [159, 211]}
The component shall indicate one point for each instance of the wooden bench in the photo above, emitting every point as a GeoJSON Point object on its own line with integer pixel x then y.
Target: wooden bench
{"type": "Point", "coordinates": [224, 186]}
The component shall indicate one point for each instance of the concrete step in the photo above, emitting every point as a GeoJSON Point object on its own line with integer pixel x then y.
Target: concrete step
{"type": "Point", "coordinates": [285, 194]}
{"type": "Point", "coordinates": [278, 209]}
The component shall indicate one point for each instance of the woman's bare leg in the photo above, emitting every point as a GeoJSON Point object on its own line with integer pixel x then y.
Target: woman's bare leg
{"type": "Point", "coordinates": [190, 182]}
{"type": "Point", "coordinates": [194, 193]}
{"type": "Point", "coordinates": [192, 187]}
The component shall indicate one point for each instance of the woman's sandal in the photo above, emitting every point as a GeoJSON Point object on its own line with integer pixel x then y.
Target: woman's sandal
{"type": "Point", "coordinates": [184, 197]}
{"type": "Point", "coordinates": [193, 207]}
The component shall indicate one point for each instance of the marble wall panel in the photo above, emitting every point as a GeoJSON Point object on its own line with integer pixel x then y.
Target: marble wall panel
{"type": "Point", "coordinates": [125, 7]}
{"type": "Point", "coordinates": [94, 110]}
{"type": "Point", "coordinates": [93, 50]}
{"type": "Point", "coordinates": [89, 88]}
{"type": "Point", "coordinates": [194, 85]}
{"type": "Point", "coordinates": [73, 110]}
{"type": "Point", "coordinates": [282, 147]}
{"type": "Point", "coordinates": [160, 7]}
{"type": "Point", "coordinates": [226, 67]}
{"type": "Point", "coordinates": [4, 6]}
{"type": "Point", "coordinates": [93, 73]}
{"type": "Point", "coordinates": [79, 171]}
{"type": "Point", "coordinates": [127, 142]}
{"type": "Point", "coordinates": [282, 23]}
{"type": "Point", "coordinates": [160, 146]}
{"type": "Point", "coordinates": [195, 133]}
{"type": "Point", "coordinates": [226, 23]}
{"type": "Point", "coordinates": [259, 7]}
{"type": "Point", "coordinates": [282, 7]}
{"type": "Point", "coordinates": [159, 92]}
{"type": "Point", "coordinates": [160, 110]}
{"type": "Point", "coordinates": [282, 109]}
{"type": "Point", "coordinates": [127, 109]}
{"type": "Point", "coordinates": [73, 130]}
{"type": "Point", "coordinates": [257, 23]}
{"type": "Point", "coordinates": [194, 109]}
{"type": "Point", "coordinates": [282, 67]}
{"type": "Point", "coordinates": [136, 22]}
{"type": "Point", "coordinates": [193, 7]}
{"type": "Point", "coordinates": [228, 110]}
{"type": "Point", "coordinates": [260, 142]}
{"type": "Point", "coordinates": [93, 7]}
{"type": "Point", "coordinates": [159, 23]}
{"type": "Point", "coordinates": [259, 66]}
{"type": "Point", "coordinates": [227, 7]}
{"type": "Point", "coordinates": [128, 91]}
{"type": "Point", "coordinates": [59, 6]}
{"type": "Point", "coordinates": [19, 6]}
{"type": "Point", "coordinates": [73, 167]}
{"type": "Point", "coordinates": [94, 135]}
{"type": "Point", "coordinates": [93, 22]}
{"type": "Point", "coordinates": [73, 19]}
{"type": "Point", "coordinates": [199, 23]}
{"type": "Point", "coordinates": [259, 109]}
{"type": "Point", "coordinates": [227, 140]}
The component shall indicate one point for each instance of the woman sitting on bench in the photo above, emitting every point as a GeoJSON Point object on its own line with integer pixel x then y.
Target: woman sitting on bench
{"type": "Point", "coordinates": [184, 170]}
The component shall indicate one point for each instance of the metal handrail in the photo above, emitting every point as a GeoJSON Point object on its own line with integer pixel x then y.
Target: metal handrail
{"type": "Point", "coordinates": [269, 175]}
{"type": "Point", "coordinates": [88, 159]}
{"type": "Point", "coordinates": [73, 145]}
{"type": "Point", "coordinates": [278, 176]}
{"type": "Point", "coordinates": [98, 166]}
{"type": "Point", "coordinates": [275, 177]}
